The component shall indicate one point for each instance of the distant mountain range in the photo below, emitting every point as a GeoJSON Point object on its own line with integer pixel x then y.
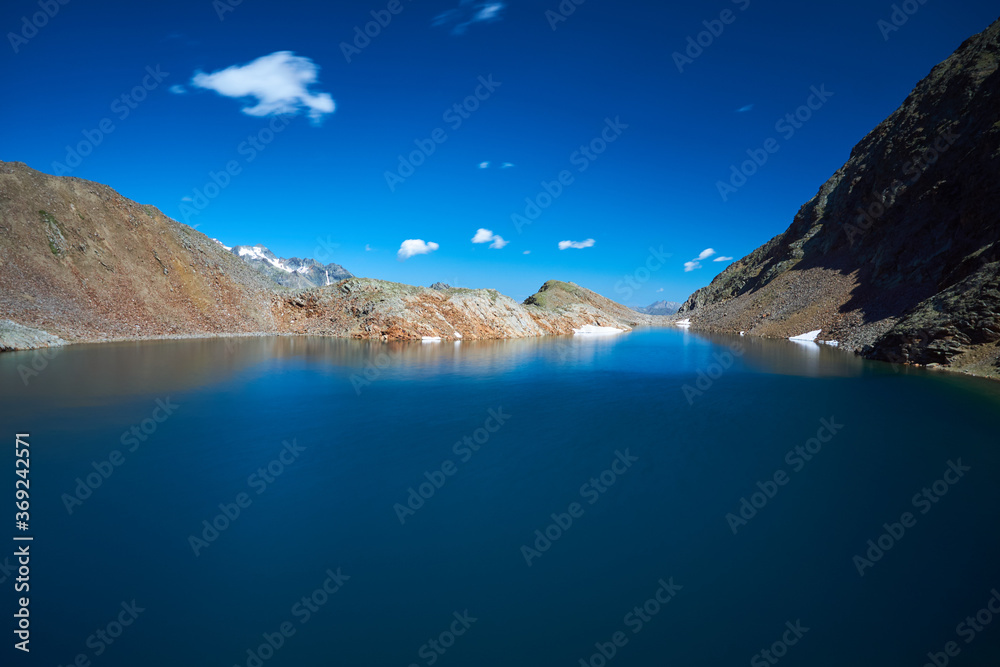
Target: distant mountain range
{"type": "Point", "coordinates": [660, 308]}
{"type": "Point", "coordinates": [293, 273]}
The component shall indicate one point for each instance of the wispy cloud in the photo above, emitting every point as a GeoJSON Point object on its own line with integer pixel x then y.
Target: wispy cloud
{"type": "Point", "coordinates": [695, 263]}
{"type": "Point", "coordinates": [487, 236]}
{"type": "Point", "coordinates": [579, 245]}
{"type": "Point", "coordinates": [526, 252]}
{"type": "Point", "coordinates": [659, 290]}
{"type": "Point", "coordinates": [484, 165]}
{"type": "Point", "coordinates": [507, 165]}
{"type": "Point", "coordinates": [467, 13]}
{"type": "Point", "coordinates": [411, 247]}
{"type": "Point", "coordinates": [177, 89]}
{"type": "Point", "coordinates": [368, 248]}
{"type": "Point", "coordinates": [722, 258]}
{"type": "Point", "coordinates": [745, 109]}
{"type": "Point", "coordinates": [270, 85]}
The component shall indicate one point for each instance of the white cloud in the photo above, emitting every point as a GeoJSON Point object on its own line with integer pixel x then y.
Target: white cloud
{"type": "Point", "coordinates": [467, 13]}
{"type": "Point", "coordinates": [177, 89]}
{"type": "Point", "coordinates": [276, 84]}
{"type": "Point", "coordinates": [526, 252]}
{"type": "Point", "coordinates": [507, 165]}
{"type": "Point", "coordinates": [722, 258]}
{"type": "Point", "coordinates": [484, 165]}
{"type": "Point", "coordinates": [411, 247]}
{"type": "Point", "coordinates": [368, 248]}
{"type": "Point", "coordinates": [695, 263]}
{"type": "Point", "coordinates": [576, 244]}
{"type": "Point", "coordinates": [659, 290]}
{"type": "Point", "coordinates": [486, 236]}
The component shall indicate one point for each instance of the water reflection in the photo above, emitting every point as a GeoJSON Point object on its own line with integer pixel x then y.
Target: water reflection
{"type": "Point", "coordinates": [783, 357]}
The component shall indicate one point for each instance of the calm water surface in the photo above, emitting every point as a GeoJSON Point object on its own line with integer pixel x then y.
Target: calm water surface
{"type": "Point", "coordinates": [411, 479]}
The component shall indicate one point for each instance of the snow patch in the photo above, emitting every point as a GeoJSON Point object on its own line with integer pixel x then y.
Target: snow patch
{"type": "Point", "coordinates": [830, 342]}
{"type": "Point", "coordinates": [430, 339]}
{"type": "Point", "coordinates": [458, 335]}
{"type": "Point", "coordinates": [807, 337]}
{"type": "Point", "coordinates": [594, 330]}
{"type": "Point", "coordinates": [255, 253]}
{"type": "Point", "coordinates": [216, 240]}
{"type": "Point", "coordinates": [683, 323]}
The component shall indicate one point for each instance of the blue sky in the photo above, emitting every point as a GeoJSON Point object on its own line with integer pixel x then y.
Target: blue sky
{"type": "Point", "coordinates": [639, 137]}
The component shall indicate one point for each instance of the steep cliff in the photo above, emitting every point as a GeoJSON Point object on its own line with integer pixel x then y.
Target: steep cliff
{"type": "Point", "coordinates": [897, 255]}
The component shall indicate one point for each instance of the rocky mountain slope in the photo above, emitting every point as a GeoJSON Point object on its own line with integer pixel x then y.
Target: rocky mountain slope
{"type": "Point", "coordinates": [897, 256]}
{"type": "Point", "coordinates": [660, 308]}
{"type": "Point", "coordinates": [80, 263]}
{"type": "Point", "coordinates": [293, 273]}
{"type": "Point", "coordinates": [377, 309]}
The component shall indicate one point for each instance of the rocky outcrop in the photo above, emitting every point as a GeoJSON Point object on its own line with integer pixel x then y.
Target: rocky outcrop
{"type": "Point", "coordinates": [897, 255]}
{"type": "Point", "coordinates": [13, 336]}
{"type": "Point", "coordinates": [377, 309]}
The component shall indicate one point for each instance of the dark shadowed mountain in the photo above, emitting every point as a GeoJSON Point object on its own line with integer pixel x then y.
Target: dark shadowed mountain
{"type": "Point", "coordinates": [897, 256]}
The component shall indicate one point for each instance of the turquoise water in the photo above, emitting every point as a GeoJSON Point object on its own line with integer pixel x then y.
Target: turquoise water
{"type": "Point", "coordinates": [642, 446]}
